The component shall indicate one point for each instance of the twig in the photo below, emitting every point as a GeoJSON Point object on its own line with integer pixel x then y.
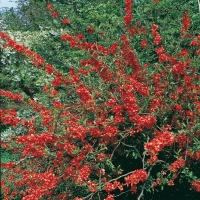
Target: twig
{"type": "Point", "coordinates": [18, 162]}
{"type": "Point", "coordinates": [186, 145]}
{"type": "Point", "coordinates": [120, 141]}
{"type": "Point", "coordinates": [199, 5]}
{"type": "Point", "coordinates": [186, 150]}
{"type": "Point", "coordinates": [24, 159]}
{"type": "Point", "coordinates": [122, 193]}
{"type": "Point", "coordinates": [91, 194]}
{"type": "Point", "coordinates": [143, 187]}
{"type": "Point", "coordinates": [120, 176]}
{"type": "Point", "coordinates": [159, 128]}
{"type": "Point", "coordinates": [114, 150]}
{"type": "Point", "coordinates": [132, 147]}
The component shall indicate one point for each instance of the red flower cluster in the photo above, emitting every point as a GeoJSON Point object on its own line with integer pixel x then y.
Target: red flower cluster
{"type": "Point", "coordinates": [110, 197]}
{"type": "Point", "coordinates": [144, 44]}
{"type": "Point", "coordinates": [156, 145]}
{"type": "Point", "coordinates": [83, 174]}
{"type": "Point", "coordinates": [90, 29]}
{"type": "Point", "coordinates": [49, 68]}
{"type": "Point", "coordinates": [35, 145]}
{"type": "Point", "coordinates": [146, 121]}
{"type": "Point", "coordinates": [8, 165]}
{"type": "Point", "coordinates": [92, 187]}
{"type": "Point", "coordinates": [95, 48]}
{"type": "Point", "coordinates": [185, 22]}
{"type": "Point", "coordinates": [194, 156]}
{"type": "Point", "coordinates": [76, 131]}
{"type": "Point", "coordinates": [195, 185]}
{"type": "Point", "coordinates": [9, 117]}
{"type": "Point", "coordinates": [113, 48]}
{"type": "Point", "coordinates": [155, 34]}
{"type": "Point", "coordinates": [37, 60]}
{"type": "Point", "coordinates": [128, 55]}
{"type": "Point", "coordinates": [70, 39]}
{"type": "Point", "coordinates": [155, 105]}
{"type": "Point", "coordinates": [179, 68]}
{"type": "Point", "coordinates": [181, 139]}
{"type": "Point", "coordinates": [54, 13]}
{"type": "Point", "coordinates": [47, 118]}
{"type": "Point", "coordinates": [83, 93]}
{"type": "Point", "coordinates": [133, 179]}
{"type": "Point", "coordinates": [196, 42]}
{"type": "Point", "coordinates": [39, 185]}
{"type": "Point", "coordinates": [176, 165]}
{"type": "Point", "coordinates": [137, 86]}
{"type": "Point", "coordinates": [128, 10]}
{"type": "Point", "coordinates": [65, 21]}
{"type": "Point", "coordinates": [163, 57]}
{"type": "Point", "coordinates": [10, 95]}
{"type": "Point", "coordinates": [49, 6]}
{"type": "Point", "coordinates": [113, 186]}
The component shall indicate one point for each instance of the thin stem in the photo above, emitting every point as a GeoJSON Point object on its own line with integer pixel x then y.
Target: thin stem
{"type": "Point", "coordinates": [18, 162]}
{"type": "Point", "coordinates": [120, 176]}
{"type": "Point", "coordinates": [132, 147]}
{"type": "Point", "coordinates": [186, 144]}
{"type": "Point", "coordinates": [122, 193]}
{"type": "Point", "coordinates": [143, 187]}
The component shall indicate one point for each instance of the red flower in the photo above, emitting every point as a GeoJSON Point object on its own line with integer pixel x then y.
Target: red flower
{"type": "Point", "coordinates": [49, 69]}
{"type": "Point", "coordinates": [156, 1]}
{"type": "Point", "coordinates": [90, 29]}
{"type": "Point", "coordinates": [49, 6]}
{"type": "Point", "coordinates": [195, 185]}
{"type": "Point", "coordinates": [54, 13]}
{"type": "Point", "coordinates": [113, 48]}
{"type": "Point", "coordinates": [133, 179]}
{"type": "Point", "coordinates": [183, 53]}
{"type": "Point", "coordinates": [144, 44]}
{"type": "Point", "coordinates": [10, 95]}
{"type": "Point", "coordinates": [158, 143]}
{"type": "Point", "coordinates": [157, 38]}
{"type": "Point", "coordinates": [186, 22]}
{"type": "Point", "coordinates": [176, 165]}
{"type": "Point", "coordinates": [128, 19]}
{"type": "Point", "coordinates": [92, 187]}
{"type": "Point", "coordinates": [65, 21]}
{"type": "Point", "coordinates": [110, 197]}
{"type": "Point", "coordinates": [57, 105]}
{"type": "Point", "coordinates": [8, 165]}
{"type": "Point", "coordinates": [154, 28]}
{"type": "Point", "coordinates": [83, 93]}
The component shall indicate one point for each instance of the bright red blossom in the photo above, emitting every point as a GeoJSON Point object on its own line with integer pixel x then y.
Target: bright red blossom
{"type": "Point", "coordinates": [158, 143]}
{"type": "Point", "coordinates": [65, 21]}
{"type": "Point", "coordinates": [133, 179]}
{"type": "Point", "coordinates": [195, 185]}
{"type": "Point", "coordinates": [144, 44]}
{"type": "Point", "coordinates": [176, 165]}
{"type": "Point", "coordinates": [90, 29]}
{"type": "Point", "coordinates": [186, 22]}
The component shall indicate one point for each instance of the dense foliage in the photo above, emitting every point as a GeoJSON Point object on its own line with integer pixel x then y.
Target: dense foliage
{"type": "Point", "coordinates": [109, 104]}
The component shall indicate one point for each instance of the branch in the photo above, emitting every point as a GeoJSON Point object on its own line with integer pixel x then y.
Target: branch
{"type": "Point", "coordinates": [143, 187]}
{"type": "Point", "coordinates": [18, 162]}
{"type": "Point", "coordinates": [132, 147]}
{"type": "Point", "coordinates": [121, 176]}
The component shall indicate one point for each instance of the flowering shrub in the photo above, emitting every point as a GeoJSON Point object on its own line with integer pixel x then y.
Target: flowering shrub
{"type": "Point", "coordinates": [131, 127]}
